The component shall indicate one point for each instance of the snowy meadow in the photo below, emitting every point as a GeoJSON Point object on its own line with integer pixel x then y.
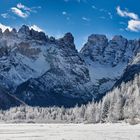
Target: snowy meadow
{"type": "Point", "coordinates": [69, 132]}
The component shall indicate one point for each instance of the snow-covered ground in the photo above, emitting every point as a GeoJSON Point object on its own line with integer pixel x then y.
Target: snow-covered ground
{"type": "Point", "coordinates": [69, 132]}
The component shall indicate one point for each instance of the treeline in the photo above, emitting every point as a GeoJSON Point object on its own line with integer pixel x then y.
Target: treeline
{"type": "Point", "coordinates": [121, 104]}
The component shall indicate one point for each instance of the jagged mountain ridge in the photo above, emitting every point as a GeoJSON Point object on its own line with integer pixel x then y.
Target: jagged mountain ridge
{"type": "Point", "coordinates": [44, 71]}
{"type": "Point", "coordinates": [108, 59]}
{"type": "Point", "coordinates": [53, 67]}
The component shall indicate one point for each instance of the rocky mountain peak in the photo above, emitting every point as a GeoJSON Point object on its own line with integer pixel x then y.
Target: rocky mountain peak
{"type": "Point", "coordinates": [24, 29]}
{"type": "Point", "coordinates": [6, 32]}
{"type": "Point", "coordinates": [67, 40]}
{"type": "Point", "coordinates": [26, 33]}
{"type": "Point", "coordinates": [38, 35]}
{"type": "Point", "coordinates": [118, 37]}
{"type": "Point", "coordinates": [68, 37]}
{"type": "Point", "coordinates": [94, 38]}
{"type": "Point", "coordinates": [119, 41]}
{"type": "Point", "coordinates": [95, 46]}
{"type": "Point", "coordinates": [14, 31]}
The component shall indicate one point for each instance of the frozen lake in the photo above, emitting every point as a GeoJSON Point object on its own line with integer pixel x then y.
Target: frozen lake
{"type": "Point", "coordinates": [69, 132]}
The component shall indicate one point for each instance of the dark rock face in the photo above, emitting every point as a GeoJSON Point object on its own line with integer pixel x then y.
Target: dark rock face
{"type": "Point", "coordinates": [24, 31]}
{"type": "Point", "coordinates": [130, 72]}
{"type": "Point", "coordinates": [95, 47]}
{"type": "Point", "coordinates": [14, 32]}
{"type": "Point", "coordinates": [67, 41]}
{"type": "Point", "coordinates": [7, 100]}
{"type": "Point", "coordinates": [38, 35]}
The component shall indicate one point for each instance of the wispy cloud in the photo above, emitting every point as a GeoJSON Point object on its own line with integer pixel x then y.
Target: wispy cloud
{"type": "Point", "coordinates": [64, 13]}
{"type": "Point", "coordinates": [67, 15]}
{"type": "Point", "coordinates": [94, 7]}
{"type": "Point", "coordinates": [133, 22]}
{"type": "Point", "coordinates": [5, 15]}
{"type": "Point", "coordinates": [110, 15]}
{"type": "Point", "coordinates": [85, 19]}
{"type": "Point", "coordinates": [23, 7]}
{"type": "Point", "coordinates": [124, 13]}
{"type": "Point", "coordinates": [105, 13]}
{"type": "Point", "coordinates": [102, 10]}
{"type": "Point", "coordinates": [20, 10]}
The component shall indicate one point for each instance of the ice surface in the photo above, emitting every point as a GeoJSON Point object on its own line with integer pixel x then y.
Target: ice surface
{"type": "Point", "coordinates": [69, 132]}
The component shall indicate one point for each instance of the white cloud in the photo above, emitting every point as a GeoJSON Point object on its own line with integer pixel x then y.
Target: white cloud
{"type": "Point", "coordinates": [4, 27]}
{"type": "Point", "coordinates": [85, 19]}
{"type": "Point", "coordinates": [94, 7]}
{"type": "Point", "coordinates": [133, 22]}
{"type": "Point", "coordinates": [134, 25]}
{"type": "Point", "coordinates": [110, 15]}
{"type": "Point", "coordinates": [102, 10]}
{"type": "Point", "coordinates": [19, 12]}
{"type": "Point", "coordinates": [5, 15]}
{"type": "Point", "coordinates": [64, 13]}
{"type": "Point", "coordinates": [124, 13]}
{"type": "Point", "coordinates": [21, 6]}
{"type": "Point", "coordinates": [102, 17]}
{"type": "Point", "coordinates": [36, 28]}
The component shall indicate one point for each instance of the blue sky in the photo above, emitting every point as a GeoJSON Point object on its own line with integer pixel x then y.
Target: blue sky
{"type": "Point", "coordinates": [81, 17]}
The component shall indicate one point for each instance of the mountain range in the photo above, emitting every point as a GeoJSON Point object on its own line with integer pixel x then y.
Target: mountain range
{"type": "Point", "coordinates": [39, 70]}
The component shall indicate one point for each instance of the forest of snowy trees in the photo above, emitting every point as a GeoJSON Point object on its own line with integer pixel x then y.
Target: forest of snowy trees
{"type": "Point", "coordinates": [122, 103]}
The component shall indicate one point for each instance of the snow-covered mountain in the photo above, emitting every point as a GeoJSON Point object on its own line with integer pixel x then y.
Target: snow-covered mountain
{"type": "Point", "coordinates": [107, 59]}
{"type": "Point", "coordinates": [41, 70]}
{"type": "Point", "coordinates": [44, 71]}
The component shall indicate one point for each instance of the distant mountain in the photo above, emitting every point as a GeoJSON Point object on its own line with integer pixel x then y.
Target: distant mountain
{"type": "Point", "coordinates": [44, 71]}
{"type": "Point", "coordinates": [108, 59]}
